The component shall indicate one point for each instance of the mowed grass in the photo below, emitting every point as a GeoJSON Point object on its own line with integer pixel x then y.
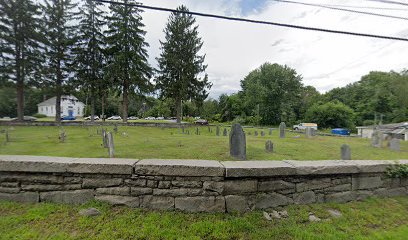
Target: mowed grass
{"type": "Point", "coordinates": [168, 143]}
{"type": "Point", "coordinates": [370, 219]}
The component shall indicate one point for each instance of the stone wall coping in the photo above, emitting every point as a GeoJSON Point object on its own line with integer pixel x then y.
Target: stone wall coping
{"type": "Point", "coordinates": [24, 163]}
{"type": "Point", "coordinates": [177, 167]}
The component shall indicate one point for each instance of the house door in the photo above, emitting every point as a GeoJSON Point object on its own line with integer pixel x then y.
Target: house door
{"type": "Point", "coordinates": [71, 113]}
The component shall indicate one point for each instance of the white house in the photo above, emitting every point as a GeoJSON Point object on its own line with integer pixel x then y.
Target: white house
{"type": "Point", "coordinates": [70, 106]}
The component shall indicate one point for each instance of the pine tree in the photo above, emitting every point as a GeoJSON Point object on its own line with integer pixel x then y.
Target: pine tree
{"type": "Point", "coordinates": [60, 38]}
{"type": "Point", "coordinates": [127, 54]}
{"type": "Point", "coordinates": [20, 40]}
{"type": "Point", "coordinates": [180, 65]}
{"type": "Point", "coordinates": [89, 52]}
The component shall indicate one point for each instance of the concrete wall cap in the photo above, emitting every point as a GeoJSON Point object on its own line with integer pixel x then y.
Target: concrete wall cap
{"type": "Point", "coordinates": [257, 168]}
{"type": "Point", "coordinates": [177, 167]}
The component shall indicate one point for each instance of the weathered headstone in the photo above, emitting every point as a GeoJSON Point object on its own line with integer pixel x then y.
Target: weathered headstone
{"type": "Point", "coordinates": [308, 133]}
{"type": "Point", "coordinates": [225, 133]}
{"type": "Point", "coordinates": [376, 139]}
{"type": "Point", "coordinates": [237, 142]}
{"type": "Point", "coordinates": [262, 133]}
{"type": "Point", "coordinates": [256, 133]}
{"type": "Point", "coordinates": [395, 144]}
{"type": "Point", "coordinates": [270, 131]}
{"type": "Point", "coordinates": [209, 129]}
{"type": "Point", "coordinates": [104, 139]}
{"type": "Point", "coordinates": [217, 131]}
{"type": "Point", "coordinates": [312, 132]}
{"type": "Point", "coordinates": [197, 132]}
{"type": "Point", "coordinates": [345, 152]}
{"type": "Point", "coordinates": [406, 135]}
{"type": "Point", "coordinates": [7, 136]}
{"type": "Point", "coordinates": [269, 146]}
{"type": "Point", "coordinates": [115, 129]}
{"type": "Point", "coordinates": [111, 146]}
{"type": "Point", "coordinates": [282, 129]}
{"type": "Point", "coordinates": [62, 136]}
{"type": "Point", "coordinates": [182, 129]}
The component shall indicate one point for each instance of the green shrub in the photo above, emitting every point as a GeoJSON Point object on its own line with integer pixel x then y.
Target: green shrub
{"type": "Point", "coordinates": [39, 115]}
{"type": "Point", "coordinates": [398, 171]}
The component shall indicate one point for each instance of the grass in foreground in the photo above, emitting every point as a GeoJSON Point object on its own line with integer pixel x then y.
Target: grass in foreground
{"type": "Point", "coordinates": [370, 219]}
{"type": "Point", "coordinates": [168, 143]}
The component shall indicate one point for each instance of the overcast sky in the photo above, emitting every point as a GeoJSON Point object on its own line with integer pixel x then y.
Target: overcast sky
{"type": "Point", "coordinates": [324, 60]}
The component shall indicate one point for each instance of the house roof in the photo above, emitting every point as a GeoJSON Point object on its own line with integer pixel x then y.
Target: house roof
{"type": "Point", "coordinates": [386, 126]}
{"type": "Point", "coordinates": [52, 100]}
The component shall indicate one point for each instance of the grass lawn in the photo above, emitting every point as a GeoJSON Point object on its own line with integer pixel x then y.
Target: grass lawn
{"type": "Point", "coordinates": [167, 143]}
{"type": "Point", "coordinates": [370, 219]}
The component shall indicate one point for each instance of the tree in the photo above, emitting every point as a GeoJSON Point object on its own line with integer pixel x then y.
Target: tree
{"type": "Point", "coordinates": [89, 53]}
{"type": "Point", "coordinates": [127, 55]}
{"type": "Point", "coordinates": [180, 65]}
{"type": "Point", "coordinates": [60, 39]}
{"type": "Point", "coordinates": [273, 92]}
{"type": "Point", "coordinates": [20, 39]}
{"type": "Point", "coordinates": [331, 114]}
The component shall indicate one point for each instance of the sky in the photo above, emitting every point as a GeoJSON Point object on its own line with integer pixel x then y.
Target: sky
{"type": "Point", "coordinates": [324, 60]}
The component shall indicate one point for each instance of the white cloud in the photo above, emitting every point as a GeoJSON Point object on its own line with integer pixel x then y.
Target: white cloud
{"type": "Point", "coordinates": [324, 60]}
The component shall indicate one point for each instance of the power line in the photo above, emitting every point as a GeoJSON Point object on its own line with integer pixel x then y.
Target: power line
{"type": "Point", "coordinates": [258, 22]}
{"type": "Point", "coordinates": [389, 2]}
{"type": "Point", "coordinates": [341, 9]}
{"type": "Point", "coordinates": [366, 7]}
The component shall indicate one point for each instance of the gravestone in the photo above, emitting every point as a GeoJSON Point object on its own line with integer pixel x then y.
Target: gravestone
{"type": "Point", "coordinates": [345, 152]}
{"type": "Point", "coordinates": [395, 144]}
{"type": "Point", "coordinates": [282, 129]}
{"type": "Point", "coordinates": [262, 133]}
{"type": "Point", "coordinates": [256, 133]}
{"type": "Point", "coordinates": [115, 129]}
{"type": "Point", "coordinates": [312, 132]}
{"type": "Point", "coordinates": [269, 146]}
{"type": "Point", "coordinates": [376, 139]}
{"type": "Point", "coordinates": [217, 131]}
{"type": "Point", "coordinates": [182, 129]}
{"type": "Point", "coordinates": [7, 136]}
{"type": "Point", "coordinates": [406, 135]}
{"type": "Point", "coordinates": [237, 142]}
{"type": "Point", "coordinates": [62, 136]}
{"type": "Point", "coordinates": [249, 133]}
{"type": "Point", "coordinates": [225, 133]}
{"type": "Point", "coordinates": [270, 131]}
{"type": "Point", "coordinates": [209, 129]}
{"type": "Point", "coordinates": [197, 132]}
{"type": "Point", "coordinates": [111, 146]}
{"type": "Point", "coordinates": [104, 139]}
{"type": "Point", "coordinates": [308, 133]}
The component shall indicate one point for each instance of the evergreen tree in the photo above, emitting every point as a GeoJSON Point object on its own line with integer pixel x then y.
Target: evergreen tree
{"type": "Point", "coordinates": [89, 55]}
{"type": "Point", "coordinates": [20, 39]}
{"type": "Point", "coordinates": [180, 66]}
{"type": "Point", "coordinates": [127, 55]}
{"type": "Point", "coordinates": [60, 38]}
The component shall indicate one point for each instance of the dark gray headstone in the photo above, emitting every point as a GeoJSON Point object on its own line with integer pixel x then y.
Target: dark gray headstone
{"type": "Point", "coordinates": [270, 131]}
{"type": "Point", "coordinates": [282, 129]}
{"type": "Point", "coordinates": [62, 136]}
{"type": "Point", "coordinates": [104, 139]}
{"type": "Point", "coordinates": [345, 152]}
{"type": "Point", "coordinates": [225, 133]}
{"type": "Point", "coordinates": [262, 133]}
{"type": "Point", "coordinates": [269, 146]}
{"type": "Point", "coordinates": [197, 133]}
{"type": "Point", "coordinates": [237, 142]}
{"type": "Point", "coordinates": [209, 129]}
{"type": "Point", "coordinates": [111, 146]}
{"type": "Point", "coordinates": [7, 136]}
{"type": "Point", "coordinates": [395, 144]}
{"type": "Point", "coordinates": [312, 132]}
{"type": "Point", "coordinates": [256, 133]}
{"type": "Point", "coordinates": [249, 133]}
{"type": "Point", "coordinates": [115, 129]}
{"type": "Point", "coordinates": [217, 131]}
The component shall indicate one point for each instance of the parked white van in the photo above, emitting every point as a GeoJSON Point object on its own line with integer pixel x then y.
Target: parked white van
{"type": "Point", "coordinates": [303, 126]}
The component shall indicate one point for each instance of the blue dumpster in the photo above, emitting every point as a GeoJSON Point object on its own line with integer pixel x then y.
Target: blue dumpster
{"type": "Point", "coordinates": [340, 131]}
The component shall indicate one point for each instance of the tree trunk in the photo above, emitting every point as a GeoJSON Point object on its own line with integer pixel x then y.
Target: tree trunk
{"type": "Point", "coordinates": [19, 82]}
{"type": "Point", "coordinates": [178, 110]}
{"type": "Point", "coordinates": [92, 106]}
{"type": "Point", "coordinates": [125, 100]}
{"type": "Point", "coordinates": [103, 107]}
{"type": "Point", "coordinates": [58, 93]}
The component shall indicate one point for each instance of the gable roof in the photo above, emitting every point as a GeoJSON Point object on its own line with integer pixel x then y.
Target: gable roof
{"type": "Point", "coordinates": [52, 100]}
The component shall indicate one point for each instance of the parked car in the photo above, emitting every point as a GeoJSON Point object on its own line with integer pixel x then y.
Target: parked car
{"type": "Point", "coordinates": [89, 118]}
{"type": "Point", "coordinates": [160, 118]}
{"type": "Point", "coordinates": [303, 126]}
{"type": "Point", "coordinates": [68, 118]}
{"type": "Point", "coordinates": [132, 118]}
{"type": "Point", "coordinates": [150, 118]}
{"type": "Point", "coordinates": [201, 122]}
{"type": "Point", "coordinates": [115, 118]}
{"type": "Point", "coordinates": [26, 118]}
{"type": "Point", "coordinates": [340, 131]}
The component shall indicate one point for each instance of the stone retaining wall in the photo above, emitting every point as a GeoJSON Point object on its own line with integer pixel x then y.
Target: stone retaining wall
{"type": "Point", "coordinates": [194, 185]}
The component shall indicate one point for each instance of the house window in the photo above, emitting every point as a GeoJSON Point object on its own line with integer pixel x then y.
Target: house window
{"type": "Point", "coordinates": [46, 109]}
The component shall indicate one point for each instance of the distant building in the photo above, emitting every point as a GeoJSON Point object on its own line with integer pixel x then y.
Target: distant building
{"type": "Point", "coordinates": [70, 106]}
{"type": "Point", "coordinates": [396, 130]}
